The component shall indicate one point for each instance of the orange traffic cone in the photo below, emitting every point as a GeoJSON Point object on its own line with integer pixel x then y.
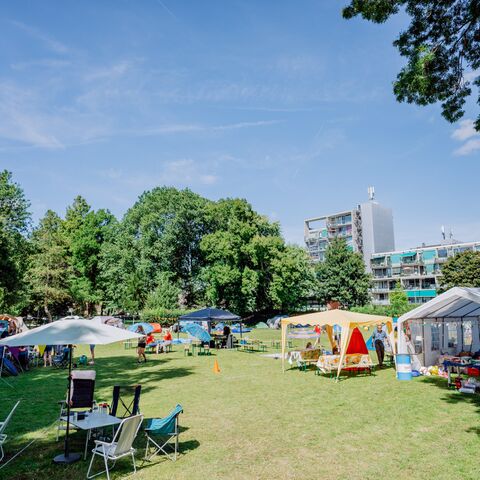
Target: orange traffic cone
{"type": "Point", "coordinates": [216, 368]}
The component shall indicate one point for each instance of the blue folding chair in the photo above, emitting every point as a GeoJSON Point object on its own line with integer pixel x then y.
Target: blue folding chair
{"type": "Point", "coordinates": [164, 430]}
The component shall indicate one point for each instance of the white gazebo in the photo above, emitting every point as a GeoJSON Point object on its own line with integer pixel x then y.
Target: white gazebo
{"type": "Point", "coordinates": [447, 324]}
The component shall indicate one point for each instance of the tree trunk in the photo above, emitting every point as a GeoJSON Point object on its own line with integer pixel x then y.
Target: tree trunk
{"type": "Point", "coordinates": [47, 311]}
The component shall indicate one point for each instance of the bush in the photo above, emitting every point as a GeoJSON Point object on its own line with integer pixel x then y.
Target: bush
{"type": "Point", "coordinates": [166, 317]}
{"type": "Point", "coordinates": [385, 310]}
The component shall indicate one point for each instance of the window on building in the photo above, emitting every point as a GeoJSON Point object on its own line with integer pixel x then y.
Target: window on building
{"type": "Point", "coordinates": [442, 253]}
{"type": "Point", "coordinates": [435, 336]}
{"type": "Point", "coordinates": [452, 335]}
{"type": "Point", "coordinates": [417, 336]}
{"type": "Point", "coordinates": [467, 334]}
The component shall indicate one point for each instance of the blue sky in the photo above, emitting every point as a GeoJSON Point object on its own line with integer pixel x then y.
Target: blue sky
{"type": "Point", "coordinates": [283, 103]}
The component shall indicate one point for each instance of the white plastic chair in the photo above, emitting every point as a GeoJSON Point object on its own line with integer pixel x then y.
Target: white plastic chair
{"type": "Point", "coordinates": [3, 426]}
{"type": "Point", "coordinates": [120, 446]}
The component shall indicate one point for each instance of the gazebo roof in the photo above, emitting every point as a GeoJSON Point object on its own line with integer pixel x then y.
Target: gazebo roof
{"type": "Point", "coordinates": [210, 315]}
{"type": "Point", "coordinates": [458, 302]}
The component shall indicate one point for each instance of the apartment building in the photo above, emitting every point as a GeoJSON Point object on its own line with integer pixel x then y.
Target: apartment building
{"type": "Point", "coordinates": [367, 229]}
{"type": "Point", "coordinates": [418, 270]}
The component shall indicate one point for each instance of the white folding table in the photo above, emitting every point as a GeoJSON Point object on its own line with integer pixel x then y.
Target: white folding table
{"type": "Point", "coordinates": [92, 421]}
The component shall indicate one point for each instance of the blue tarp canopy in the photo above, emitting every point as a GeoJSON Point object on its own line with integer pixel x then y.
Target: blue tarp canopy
{"type": "Point", "coordinates": [210, 315]}
{"type": "Point", "coordinates": [147, 328]}
{"type": "Point", "coordinates": [197, 331]}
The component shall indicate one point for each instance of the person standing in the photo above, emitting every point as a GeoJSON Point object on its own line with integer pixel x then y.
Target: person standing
{"type": "Point", "coordinates": [92, 354]}
{"type": "Point", "coordinates": [47, 355]}
{"type": "Point", "coordinates": [142, 343]}
{"type": "Point", "coordinates": [378, 338]}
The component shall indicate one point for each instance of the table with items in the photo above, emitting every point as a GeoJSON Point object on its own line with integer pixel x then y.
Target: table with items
{"type": "Point", "coordinates": [89, 421]}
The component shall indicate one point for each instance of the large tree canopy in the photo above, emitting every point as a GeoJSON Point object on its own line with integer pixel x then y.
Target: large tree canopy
{"type": "Point", "coordinates": [49, 271]}
{"type": "Point", "coordinates": [441, 44]}
{"type": "Point", "coordinates": [462, 270]}
{"type": "Point", "coordinates": [14, 222]}
{"type": "Point", "coordinates": [342, 276]}
{"type": "Point", "coordinates": [160, 233]}
{"type": "Point", "coordinates": [85, 231]}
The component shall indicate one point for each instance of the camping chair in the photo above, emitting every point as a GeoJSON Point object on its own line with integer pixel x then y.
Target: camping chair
{"type": "Point", "coordinates": [120, 446]}
{"type": "Point", "coordinates": [165, 428]}
{"type": "Point", "coordinates": [3, 426]}
{"type": "Point", "coordinates": [81, 394]}
{"type": "Point", "coordinates": [15, 357]}
{"type": "Point", "coordinates": [61, 360]}
{"type": "Point", "coordinates": [126, 401]}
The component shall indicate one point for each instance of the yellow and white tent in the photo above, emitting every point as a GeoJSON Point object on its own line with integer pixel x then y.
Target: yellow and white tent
{"type": "Point", "coordinates": [346, 320]}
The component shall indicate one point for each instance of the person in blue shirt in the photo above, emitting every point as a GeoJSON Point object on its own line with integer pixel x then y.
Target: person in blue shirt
{"type": "Point", "coordinates": [378, 339]}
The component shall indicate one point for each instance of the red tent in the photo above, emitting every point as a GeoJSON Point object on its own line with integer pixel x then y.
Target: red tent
{"type": "Point", "coordinates": [357, 343]}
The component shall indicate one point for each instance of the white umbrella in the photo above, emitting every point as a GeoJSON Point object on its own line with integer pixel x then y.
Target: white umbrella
{"type": "Point", "coordinates": [69, 332]}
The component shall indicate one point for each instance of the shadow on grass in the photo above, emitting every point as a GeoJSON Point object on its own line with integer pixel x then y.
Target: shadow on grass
{"type": "Point", "coordinates": [454, 397]}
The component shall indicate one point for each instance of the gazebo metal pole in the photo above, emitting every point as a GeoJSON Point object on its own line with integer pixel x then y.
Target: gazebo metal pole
{"type": "Point", "coordinates": [68, 457]}
{"type": "Point", "coordinates": [1, 367]}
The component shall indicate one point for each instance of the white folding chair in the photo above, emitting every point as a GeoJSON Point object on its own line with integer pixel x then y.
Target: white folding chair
{"type": "Point", "coordinates": [3, 427]}
{"type": "Point", "coordinates": [120, 446]}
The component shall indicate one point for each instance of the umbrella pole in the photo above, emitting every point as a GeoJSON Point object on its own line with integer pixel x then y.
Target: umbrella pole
{"type": "Point", "coordinates": [1, 368]}
{"type": "Point", "coordinates": [68, 457]}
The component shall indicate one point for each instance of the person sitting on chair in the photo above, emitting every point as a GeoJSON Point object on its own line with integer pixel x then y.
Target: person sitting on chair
{"type": "Point", "coordinates": [378, 338]}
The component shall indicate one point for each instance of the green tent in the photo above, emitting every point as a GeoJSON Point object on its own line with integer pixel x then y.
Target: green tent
{"type": "Point", "coordinates": [261, 325]}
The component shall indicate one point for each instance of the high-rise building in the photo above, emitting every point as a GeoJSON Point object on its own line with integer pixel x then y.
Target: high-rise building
{"type": "Point", "coordinates": [418, 270]}
{"type": "Point", "coordinates": [367, 229]}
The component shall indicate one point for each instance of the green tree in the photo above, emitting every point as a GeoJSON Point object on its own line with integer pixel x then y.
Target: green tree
{"type": "Point", "coordinates": [293, 279]}
{"type": "Point", "coordinates": [160, 233]}
{"type": "Point", "coordinates": [398, 301]}
{"type": "Point", "coordinates": [14, 248]}
{"type": "Point", "coordinates": [49, 270]}
{"type": "Point", "coordinates": [86, 231]}
{"type": "Point", "coordinates": [342, 276]}
{"type": "Point", "coordinates": [441, 42]}
{"type": "Point", "coordinates": [237, 256]}
{"type": "Point", "coordinates": [461, 270]}
{"type": "Point", "coordinates": [165, 295]}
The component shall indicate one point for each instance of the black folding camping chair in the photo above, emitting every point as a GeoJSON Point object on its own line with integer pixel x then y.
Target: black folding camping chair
{"type": "Point", "coordinates": [126, 401]}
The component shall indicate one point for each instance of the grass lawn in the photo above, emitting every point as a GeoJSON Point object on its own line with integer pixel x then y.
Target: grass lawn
{"type": "Point", "coordinates": [252, 421]}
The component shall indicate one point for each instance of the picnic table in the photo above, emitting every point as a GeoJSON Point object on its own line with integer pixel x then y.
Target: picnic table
{"type": "Point", "coordinates": [304, 358]}
{"type": "Point", "coordinates": [352, 362]}
{"type": "Point", "coordinates": [91, 421]}
{"type": "Point", "coordinates": [252, 346]}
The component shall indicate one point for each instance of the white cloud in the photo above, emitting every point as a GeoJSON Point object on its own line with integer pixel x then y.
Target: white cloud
{"type": "Point", "coordinates": [468, 147]}
{"type": "Point", "coordinates": [109, 73]}
{"type": "Point", "coordinates": [466, 131]}
{"type": "Point", "coordinates": [235, 126]}
{"type": "Point", "coordinates": [186, 172]}
{"type": "Point", "coordinates": [20, 123]}
{"type": "Point", "coordinates": [52, 44]}
{"type": "Point", "coordinates": [181, 173]}
{"type": "Point", "coordinates": [44, 63]}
